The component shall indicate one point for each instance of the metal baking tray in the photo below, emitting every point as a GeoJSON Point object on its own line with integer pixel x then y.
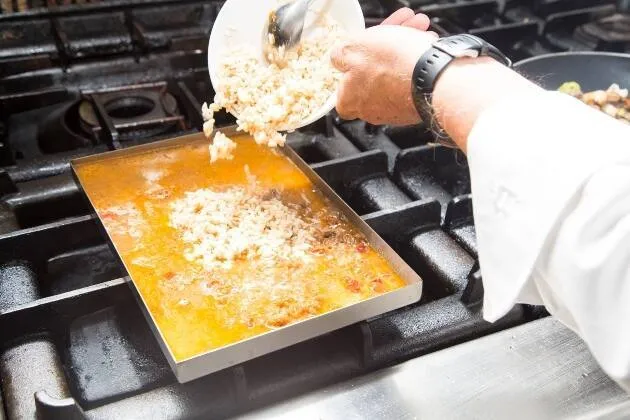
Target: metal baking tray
{"type": "Point", "coordinates": [233, 354]}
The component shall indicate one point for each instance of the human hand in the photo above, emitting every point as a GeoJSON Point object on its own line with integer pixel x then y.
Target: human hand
{"type": "Point", "coordinates": [378, 66]}
{"type": "Point", "coordinates": [407, 17]}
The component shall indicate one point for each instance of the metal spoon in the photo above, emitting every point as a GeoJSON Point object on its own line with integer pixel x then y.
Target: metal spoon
{"type": "Point", "coordinates": [283, 28]}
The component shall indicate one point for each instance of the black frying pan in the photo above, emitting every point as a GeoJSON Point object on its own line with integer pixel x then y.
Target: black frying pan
{"type": "Point", "coordinates": [592, 70]}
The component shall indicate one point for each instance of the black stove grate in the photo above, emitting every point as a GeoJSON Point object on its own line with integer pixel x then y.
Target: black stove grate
{"type": "Point", "coordinates": [71, 76]}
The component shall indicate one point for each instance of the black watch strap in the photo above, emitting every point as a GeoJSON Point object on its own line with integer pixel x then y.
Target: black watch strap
{"type": "Point", "coordinates": [433, 62]}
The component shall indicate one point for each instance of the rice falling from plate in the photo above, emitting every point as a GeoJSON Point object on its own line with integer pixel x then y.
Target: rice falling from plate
{"type": "Point", "coordinates": [269, 98]}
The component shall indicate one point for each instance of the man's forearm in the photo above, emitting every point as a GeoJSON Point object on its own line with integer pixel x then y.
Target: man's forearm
{"type": "Point", "coordinates": [468, 87]}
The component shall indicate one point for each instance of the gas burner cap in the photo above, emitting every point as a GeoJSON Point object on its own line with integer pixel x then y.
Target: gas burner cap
{"type": "Point", "coordinates": [87, 115]}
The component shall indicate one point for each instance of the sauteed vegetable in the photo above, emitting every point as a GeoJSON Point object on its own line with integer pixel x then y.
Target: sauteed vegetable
{"type": "Point", "coordinates": [614, 101]}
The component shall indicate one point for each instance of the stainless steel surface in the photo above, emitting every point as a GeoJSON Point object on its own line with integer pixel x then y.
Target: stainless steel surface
{"type": "Point", "coordinates": [259, 345]}
{"type": "Point", "coordinates": [284, 26]}
{"type": "Point", "coordinates": [539, 370]}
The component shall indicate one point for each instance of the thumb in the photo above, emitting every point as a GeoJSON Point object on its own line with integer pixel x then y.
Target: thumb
{"type": "Point", "coordinates": [339, 57]}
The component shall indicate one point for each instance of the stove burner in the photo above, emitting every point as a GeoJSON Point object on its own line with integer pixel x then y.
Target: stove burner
{"type": "Point", "coordinates": [129, 107]}
{"type": "Point", "coordinates": [137, 114]}
{"type": "Point", "coordinates": [611, 32]}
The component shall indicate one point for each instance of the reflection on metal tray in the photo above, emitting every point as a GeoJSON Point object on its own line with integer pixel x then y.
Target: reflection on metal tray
{"type": "Point", "coordinates": [198, 365]}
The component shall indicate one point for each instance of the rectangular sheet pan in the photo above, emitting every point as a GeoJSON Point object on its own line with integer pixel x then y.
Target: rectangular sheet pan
{"type": "Point", "coordinates": [224, 357]}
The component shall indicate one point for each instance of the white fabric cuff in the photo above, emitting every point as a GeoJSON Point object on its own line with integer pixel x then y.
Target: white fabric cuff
{"type": "Point", "coordinates": [528, 157]}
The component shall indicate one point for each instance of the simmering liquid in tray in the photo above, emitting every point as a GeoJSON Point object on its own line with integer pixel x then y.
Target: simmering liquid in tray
{"type": "Point", "coordinates": [166, 210]}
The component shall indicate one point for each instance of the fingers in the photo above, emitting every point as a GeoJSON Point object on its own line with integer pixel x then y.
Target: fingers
{"type": "Point", "coordinates": [399, 16]}
{"type": "Point", "coordinates": [418, 21]}
{"type": "Point", "coordinates": [343, 59]}
{"type": "Point", "coordinates": [407, 17]}
{"type": "Point", "coordinates": [345, 101]}
{"type": "Point", "coordinates": [338, 58]}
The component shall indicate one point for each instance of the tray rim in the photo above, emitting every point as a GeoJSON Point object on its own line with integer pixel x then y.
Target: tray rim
{"type": "Point", "coordinates": [253, 347]}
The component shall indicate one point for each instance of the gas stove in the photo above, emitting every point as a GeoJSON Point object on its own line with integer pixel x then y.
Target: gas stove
{"type": "Point", "coordinates": [82, 77]}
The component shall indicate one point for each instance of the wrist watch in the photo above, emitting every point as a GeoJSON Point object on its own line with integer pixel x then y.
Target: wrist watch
{"type": "Point", "coordinates": [433, 62]}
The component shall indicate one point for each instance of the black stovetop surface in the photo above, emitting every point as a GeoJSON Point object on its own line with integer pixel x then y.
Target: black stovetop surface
{"type": "Point", "coordinates": [71, 76]}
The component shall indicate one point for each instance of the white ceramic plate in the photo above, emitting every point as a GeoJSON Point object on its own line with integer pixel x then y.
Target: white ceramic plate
{"type": "Point", "coordinates": [242, 21]}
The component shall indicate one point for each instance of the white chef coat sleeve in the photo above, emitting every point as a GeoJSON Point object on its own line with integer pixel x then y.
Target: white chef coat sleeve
{"type": "Point", "coordinates": [551, 196]}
